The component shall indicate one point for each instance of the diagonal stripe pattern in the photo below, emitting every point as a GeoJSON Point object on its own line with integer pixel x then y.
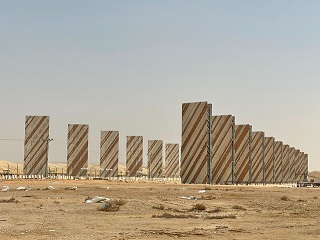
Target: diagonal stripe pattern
{"type": "Point", "coordinates": [134, 156]}
{"type": "Point", "coordinates": [292, 151]}
{"type": "Point", "coordinates": [77, 150]}
{"type": "Point", "coordinates": [155, 148]}
{"type": "Point", "coordinates": [286, 163]}
{"type": "Point", "coordinates": [172, 160]}
{"type": "Point", "coordinates": [257, 157]}
{"type": "Point", "coordinates": [36, 145]}
{"type": "Point", "coordinates": [243, 138]}
{"type": "Point", "coordinates": [278, 165]}
{"type": "Point", "coordinates": [195, 141]}
{"type": "Point", "coordinates": [269, 159]}
{"type": "Point", "coordinates": [109, 154]}
{"type": "Point", "coordinates": [222, 148]}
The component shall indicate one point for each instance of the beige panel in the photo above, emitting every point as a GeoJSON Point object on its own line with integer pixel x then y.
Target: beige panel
{"type": "Point", "coordinates": [222, 148]}
{"type": "Point", "coordinates": [134, 156]}
{"type": "Point", "coordinates": [296, 165]}
{"type": "Point", "coordinates": [109, 153]}
{"type": "Point", "coordinates": [269, 159]}
{"type": "Point", "coordinates": [286, 163]}
{"type": "Point", "coordinates": [77, 150]}
{"type": "Point", "coordinates": [242, 153]}
{"type": "Point", "coordinates": [172, 161]}
{"type": "Point", "coordinates": [292, 151]}
{"type": "Point", "coordinates": [257, 154]}
{"type": "Point", "coordinates": [36, 145]}
{"type": "Point", "coordinates": [300, 170]}
{"type": "Point", "coordinates": [278, 155]}
{"type": "Point", "coordinates": [195, 141]}
{"type": "Point", "coordinates": [155, 148]}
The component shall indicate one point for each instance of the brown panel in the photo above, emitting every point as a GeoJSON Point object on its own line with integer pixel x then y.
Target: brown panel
{"type": "Point", "coordinates": [269, 159]}
{"type": "Point", "coordinates": [286, 163]}
{"type": "Point", "coordinates": [155, 148]}
{"type": "Point", "coordinates": [257, 157]}
{"type": "Point", "coordinates": [109, 153]}
{"type": "Point", "coordinates": [278, 155]}
{"type": "Point", "coordinates": [172, 161]}
{"type": "Point", "coordinates": [134, 156]}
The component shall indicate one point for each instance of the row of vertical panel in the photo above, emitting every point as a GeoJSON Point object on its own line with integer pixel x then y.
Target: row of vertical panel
{"type": "Point", "coordinates": [37, 142]}
{"type": "Point", "coordinates": [238, 154]}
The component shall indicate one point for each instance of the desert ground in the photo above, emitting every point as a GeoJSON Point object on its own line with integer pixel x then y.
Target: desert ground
{"type": "Point", "coordinates": [155, 210]}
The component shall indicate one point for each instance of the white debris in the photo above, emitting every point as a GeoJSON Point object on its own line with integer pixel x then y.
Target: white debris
{"type": "Point", "coordinates": [21, 188]}
{"type": "Point", "coordinates": [49, 188]}
{"type": "Point", "coordinates": [189, 198]}
{"type": "Point", "coordinates": [5, 189]}
{"type": "Point", "coordinates": [201, 191]}
{"type": "Point", "coordinates": [98, 199]}
{"type": "Point", "coordinates": [74, 188]}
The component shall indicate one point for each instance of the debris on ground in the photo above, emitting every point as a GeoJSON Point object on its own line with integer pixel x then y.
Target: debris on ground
{"type": "Point", "coordinates": [5, 189]}
{"type": "Point", "coordinates": [21, 188]}
{"type": "Point", "coordinates": [98, 199]}
{"type": "Point", "coordinates": [189, 198]}
{"type": "Point", "coordinates": [49, 188]}
{"type": "Point", "coordinates": [201, 191]}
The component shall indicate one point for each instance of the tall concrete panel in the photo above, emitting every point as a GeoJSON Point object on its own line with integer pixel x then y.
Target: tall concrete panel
{"type": "Point", "coordinates": [134, 156]}
{"type": "Point", "coordinates": [223, 128]}
{"type": "Point", "coordinates": [36, 145]}
{"type": "Point", "coordinates": [292, 151]}
{"type": "Point", "coordinates": [306, 166]}
{"type": "Point", "coordinates": [109, 154]}
{"type": "Point", "coordinates": [172, 161]}
{"type": "Point", "coordinates": [278, 166]}
{"type": "Point", "coordinates": [257, 157]}
{"type": "Point", "coordinates": [155, 148]}
{"type": "Point", "coordinates": [195, 157]}
{"type": "Point", "coordinates": [77, 150]}
{"type": "Point", "coordinates": [300, 163]}
{"type": "Point", "coordinates": [286, 163]}
{"type": "Point", "coordinates": [243, 161]}
{"type": "Point", "coordinates": [296, 165]}
{"type": "Point", "coordinates": [269, 159]}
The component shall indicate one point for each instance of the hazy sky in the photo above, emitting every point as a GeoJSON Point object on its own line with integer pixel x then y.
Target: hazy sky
{"type": "Point", "coordinates": [129, 66]}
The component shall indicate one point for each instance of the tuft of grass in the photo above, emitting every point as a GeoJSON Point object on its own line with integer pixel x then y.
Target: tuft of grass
{"type": "Point", "coordinates": [209, 197]}
{"type": "Point", "coordinates": [112, 206]}
{"type": "Point", "coordinates": [159, 207]}
{"type": "Point", "coordinates": [10, 200]}
{"type": "Point", "coordinates": [199, 207]}
{"type": "Point", "coordinates": [231, 216]}
{"type": "Point", "coordinates": [315, 197]}
{"type": "Point", "coordinates": [238, 207]}
{"type": "Point", "coordinates": [216, 210]}
{"type": "Point", "coordinates": [207, 188]}
{"type": "Point", "coordinates": [169, 215]}
{"type": "Point", "coordinates": [284, 198]}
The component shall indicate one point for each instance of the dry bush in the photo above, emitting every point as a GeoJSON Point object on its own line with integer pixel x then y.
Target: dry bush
{"type": "Point", "coordinates": [198, 207]}
{"type": "Point", "coordinates": [159, 207]}
{"type": "Point", "coordinates": [237, 207]}
{"type": "Point", "coordinates": [221, 216]}
{"type": "Point", "coordinates": [10, 200]}
{"type": "Point", "coordinates": [112, 206]}
{"type": "Point", "coordinates": [315, 197]}
{"type": "Point", "coordinates": [216, 210]}
{"type": "Point", "coordinates": [207, 188]}
{"type": "Point", "coordinates": [284, 198]}
{"type": "Point", "coordinates": [169, 215]}
{"type": "Point", "coordinates": [209, 197]}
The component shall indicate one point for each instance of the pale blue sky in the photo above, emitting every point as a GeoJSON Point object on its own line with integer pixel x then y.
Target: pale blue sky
{"type": "Point", "coordinates": [129, 65]}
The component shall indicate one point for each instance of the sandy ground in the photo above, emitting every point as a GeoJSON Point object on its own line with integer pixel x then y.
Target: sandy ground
{"type": "Point", "coordinates": [232, 212]}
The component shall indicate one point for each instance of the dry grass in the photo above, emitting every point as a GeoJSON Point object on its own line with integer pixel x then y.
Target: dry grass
{"type": "Point", "coordinates": [209, 197]}
{"type": "Point", "coordinates": [237, 207]}
{"type": "Point", "coordinates": [284, 198]}
{"type": "Point", "coordinates": [216, 210]}
{"type": "Point", "coordinates": [112, 206]}
{"type": "Point", "coordinates": [159, 207]}
{"type": "Point", "coordinates": [169, 215]}
{"type": "Point", "coordinates": [198, 207]}
{"type": "Point", "coordinates": [231, 216]}
{"type": "Point", "coordinates": [10, 200]}
{"type": "Point", "coordinates": [207, 188]}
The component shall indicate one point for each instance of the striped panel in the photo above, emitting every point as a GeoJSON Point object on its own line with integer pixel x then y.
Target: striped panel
{"type": "Point", "coordinates": [296, 164]}
{"type": "Point", "coordinates": [305, 166]}
{"type": "Point", "coordinates": [242, 153]}
{"type": "Point", "coordinates": [222, 148]}
{"type": "Point", "coordinates": [36, 145]}
{"type": "Point", "coordinates": [292, 151]}
{"type": "Point", "coordinates": [300, 173]}
{"type": "Point", "coordinates": [269, 159]}
{"type": "Point", "coordinates": [134, 156]}
{"type": "Point", "coordinates": [195, 141]}
{"type": "Point", "coordinates": [172, 161]}
{"type": "Point", "coordinates": [286, 163]}
{"type": "Point", "coordinates": [278, 154]}
{"type": "Point", "coordinates": [155, 148]}
{"type": "Point", "coordinates": [77, 150]}
{"type": "Point", "coordinates": [109, 153]}
{"type": "Point", "coordinates": [257, 153]}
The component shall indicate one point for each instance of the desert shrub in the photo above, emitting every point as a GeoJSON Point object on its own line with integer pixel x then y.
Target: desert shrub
{"type": "Point", "coordinates": [284, 198]}
{"type": "Point", "coordinates": [207, 188]}
{"type": "Point", "coordinates": [315, 197]}
{"type": "Point", "coordinates": [209, 197]}
{"type": "Point", "coordinates": [232, 216]}
{"type": "Point", "coordinates": [199, 207]}
{"type": "Point", "coordinates": [112, 206]}
{"type": "Point", "coordinates": [237, 207]}
{"type": "Point", "coordinates": [216, 210]}
{"type": "Point", "coordinates": [10, 200]}
{"type": "Point", "coordinates": [169, 215]}
{"type": "Point", "coordinates": [159, 207]}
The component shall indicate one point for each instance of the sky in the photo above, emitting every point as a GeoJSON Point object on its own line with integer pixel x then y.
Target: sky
{"type": "Point", "coordinates": [129, 65]}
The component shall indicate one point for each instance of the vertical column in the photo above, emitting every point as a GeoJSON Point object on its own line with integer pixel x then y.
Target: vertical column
{"type": "Point", "coordinates": [172, 161]}
{"type": "Point", "coordinates": [155, 148]}
{"type": "Point", "coordinates": [195, 142]}
{"type": "Point", "coordinates": [36, 145]}
{"type": "Point", "coordinates": [109, 154]}
{"type": "Point", "coordinates": [134, 156]}
{"type": "Point", "coordinates": [77, 150]}
{"type": "Point", "coordinates": [222, 147]}
{"type": "Point", "coordinates": [257, 157]}
{"type": "Point", "coordinates": [243, 153]}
